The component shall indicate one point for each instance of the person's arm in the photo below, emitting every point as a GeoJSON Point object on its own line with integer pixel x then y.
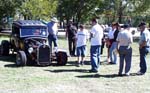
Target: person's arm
{"type": "Point", "coordinates": [117, 46]}
{"type": "Point", "coordinates": [117, 40]}
{"type": "Point", "coordinates": [55, 28]}
{"type": "Point", "coordinates": [142, 44]}
{"type": "Point", "coordinates": [92, 33]}
{"type": "Point", "coordinates": [130, 39]}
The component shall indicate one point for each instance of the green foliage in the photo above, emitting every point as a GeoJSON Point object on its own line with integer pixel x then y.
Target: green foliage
{"type": "Point", "coordinates": [78, 10]}
{"type": "Point", "coordinates": [39, 9]}
{"type": "Point", "coordinates": [8, 9]}
{"type": "Point", "coordinates": [121, 10]}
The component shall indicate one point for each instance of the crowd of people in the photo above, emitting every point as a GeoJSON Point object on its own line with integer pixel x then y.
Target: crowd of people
{"type": "Point", "coordinates": [118, 41]}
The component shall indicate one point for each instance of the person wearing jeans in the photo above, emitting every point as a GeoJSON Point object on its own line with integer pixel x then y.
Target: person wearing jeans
{"type": "Point", "coordinates": [124, 40]}
{"type": "Point", "coordinates": [112, 38]}
{"type": "Point", "coordinates": [112, 53]}
{"type": "Point", "coordinates": [143, 65]}
{"type": "Point", "coordinates": [95, 57]}
{"type": "Point", "coordinates": [52, 30]}
{"type": "Point", "coordinates": [144, 48]}
{"type": "Point", "coordinates": [125, 53]}
{"type": "Point", "coordinates": [96, 42]}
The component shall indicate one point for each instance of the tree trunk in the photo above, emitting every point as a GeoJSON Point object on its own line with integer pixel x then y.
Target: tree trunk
{"type": "Point", "coordinates": [120, 13]}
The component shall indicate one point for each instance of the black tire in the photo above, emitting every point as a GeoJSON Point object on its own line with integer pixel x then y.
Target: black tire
{"type": "Point", "coordinates": [5, 48]}
{"type": "Point", "coordinates": [62, 58]}
{"type": "Point", "coordinates": [21, 58]}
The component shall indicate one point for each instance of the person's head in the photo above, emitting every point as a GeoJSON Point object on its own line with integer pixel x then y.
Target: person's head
{"type": "Point", "coordinates": [70, 21]}
{"type": "Point", "coordinates": [126, 26]}
{"type": "Point", "coordinates": [81, 27]}
{"type": "Point", "coordinates": [142, 26]}
{"type": "Point", "coordinates": [118, 27]}
{"type": "Point", "coordinates": [54, 19]}
{"type": "Point", "coordinates": [113, 25]}
{"type": "Point", "coordinates": [94, 21]}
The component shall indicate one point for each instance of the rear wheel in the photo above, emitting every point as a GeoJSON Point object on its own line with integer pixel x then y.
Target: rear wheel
{"type": "Point", "coordinates": [61, 58]}
{"type": "Point", "coordinates": [5, 47]}
{"type": "Point", "coordinates": [21, 58]}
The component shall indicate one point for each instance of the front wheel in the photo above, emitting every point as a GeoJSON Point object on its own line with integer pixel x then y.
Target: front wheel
{"type": "Point", "coordinates": [21, 58]}
{"type": "Point", "coordinates": [61, 58]}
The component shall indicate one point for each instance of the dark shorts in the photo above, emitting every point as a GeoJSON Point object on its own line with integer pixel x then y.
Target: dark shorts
{"type": "Point", "coordinates": [81, 51]}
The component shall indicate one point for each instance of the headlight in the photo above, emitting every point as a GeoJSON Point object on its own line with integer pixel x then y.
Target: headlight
{"type": "Point", "coordinates": [30, 50]}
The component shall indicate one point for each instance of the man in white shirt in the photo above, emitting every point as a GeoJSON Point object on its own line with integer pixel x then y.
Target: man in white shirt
{"type": "Point", "coordinates": [144, 47]}
{"type": "Point", "coordinates": [124, 40]}
{"type": "Point", "coordinates": [53, 29]}
{"type": "Point", "coordinates": [96, 42]}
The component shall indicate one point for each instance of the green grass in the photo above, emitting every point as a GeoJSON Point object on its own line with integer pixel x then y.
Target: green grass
{"type": "Point", "coordinates": [72, 79]}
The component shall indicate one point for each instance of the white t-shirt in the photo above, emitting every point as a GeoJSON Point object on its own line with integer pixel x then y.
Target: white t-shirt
{"type": "Point", "coordinates": [111, 33]}
{"type": "Point", "coordinates": [82, 37]}
{"type": "Point", "coordinates": [55, 28]}
{"type": "Point", "coordinates": [52, 28]}
{"type": "Point", "coordinates": [98, 33]}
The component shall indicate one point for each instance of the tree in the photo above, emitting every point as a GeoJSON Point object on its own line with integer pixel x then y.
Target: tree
{"type": "Point", "coordinates": [78, 10]}
{"type": "Point", "coordinates": [39, 9]}
{"type": "Point", "coordinates": [124, 8]}
{"type": "Point", "coordinates": [8, 9]}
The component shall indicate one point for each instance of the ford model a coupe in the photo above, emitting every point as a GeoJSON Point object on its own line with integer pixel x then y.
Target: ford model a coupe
{"type": "Point", "coordinates": [29, 40]}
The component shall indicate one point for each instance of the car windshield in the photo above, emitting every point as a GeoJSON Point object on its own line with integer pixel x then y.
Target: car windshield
{"type": "Point", "coordinates": [36, 31]}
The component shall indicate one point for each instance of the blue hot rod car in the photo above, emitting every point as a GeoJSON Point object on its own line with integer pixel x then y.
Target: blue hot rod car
{"type": "Point", "coordinates": [29, 40]}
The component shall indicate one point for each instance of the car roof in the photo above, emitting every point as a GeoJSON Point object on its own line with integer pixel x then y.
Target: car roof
{"type": "Point", "coordinates": [23, 23]}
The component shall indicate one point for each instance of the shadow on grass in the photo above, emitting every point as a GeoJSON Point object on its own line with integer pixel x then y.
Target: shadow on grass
{"type": "Point", "coordinates": [68, 70]}
{"type": "Point", "coordinates": [98, 76]}
{"type": "Point", "coordinates": [105, 76]}
{"type": "Point", "coordinates": [74, 63]}
{"type": "Point", "coordinates": [11, 66]}
{"type": "Point", "coordinates": [90, 76]}
{"type": "Point", "coordinates": [9, 58]}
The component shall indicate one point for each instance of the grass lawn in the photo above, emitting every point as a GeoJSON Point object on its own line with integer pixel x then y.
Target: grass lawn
{"type": "Point", "coordinates": [72, 79]}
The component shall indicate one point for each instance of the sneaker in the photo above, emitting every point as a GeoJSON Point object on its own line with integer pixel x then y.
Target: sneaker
{"type": "Point", "coordinates": [55, 49]}
{"type": "Point", "coordinates": [127, 74]}
{"type": "Point", "coordinates": [120, 74]}
{"type": "Point", "coordinates": [82, 63]}
{"type": "Point", "coordinates": [111, 63]}
{"type": "Point", "coordinates": [93, 71]}
{"type": "Point", "coordinates": [78, 64]}
{"type": "Point", "coordinates": [139, 73]}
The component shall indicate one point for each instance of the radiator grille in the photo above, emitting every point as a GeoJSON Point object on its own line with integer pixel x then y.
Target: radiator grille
{"type": "Point", "coordinates": [43, 55]}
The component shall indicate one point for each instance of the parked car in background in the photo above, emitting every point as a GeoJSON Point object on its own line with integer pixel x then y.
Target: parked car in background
{"type": "Point", "coordinates": [135, 32]}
